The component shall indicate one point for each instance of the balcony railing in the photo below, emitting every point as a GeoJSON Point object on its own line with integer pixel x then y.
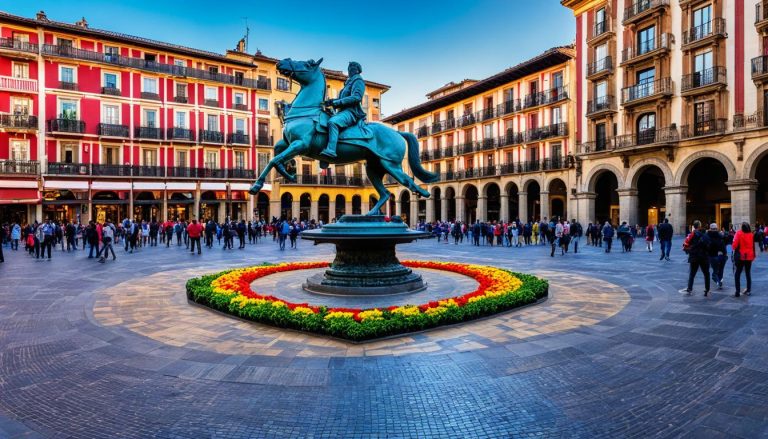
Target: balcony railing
{"type": "Point", "coordinates": [422, 131]}
{"type": "Point", "coordinates": [761, 13]}
{"type": "Point", "coordinates": [264, 140]}
{"type": "Point", "coordinates": [554, 163]}
{"type": "Point", "coordinates": [759, 66]}
{"type": "Point", "coordinates": [241, 107]}
{"type": "Point", "coordinates": [211, 102]}
{"type": "Point", "coordinates": [648, 137]}
{"type": "Point", "coordinates": [66, 85]}
{"type": "Point", "coordinates": [646, 89]}
{"type": "Point", "coordinates": [466, 147]}
{"type": "Point", "coordinates": [757, 119]}
{"type": "Point", "coordinates": [640, 6]}
{"type": "Point", "coordinates": [486, 113]}
{"type": "Point", "coordinates": [110, 170]}
{"type": "Point", "coordinates": [113, 130]}
{"type": "Point", "coordinates": [153, 66]}
{"type": "Point", "coordinates": [601, 65]}
{"type": "Point", "coordinates": [148, 171]}
{"type": "Point", "coordinates": [238, 138]}
{"type": "Point", "coordinates": [328, 180]}
{"type": "Point", "coordinates": [61, 168]}
{"type": "Point", "coordinates": [512, 138]}
{"type": "Point", "coordinates": [600, 28]}
{"type": "Point", "coordinates": [28, 167]}
{"type": "Point", "coordinates": [712, 27]}
{"type": "Point", "coordinates": [112, 91]}
{"type": "Point", "coordinates": [151, 133]}
{"type": "Point", "coordinates": [661, 42]}
{"type": "Point", "coordinates": [601, 104]}
{"type": "Point", "coordinates": [16, 44]}
{"type": "Point", "coordinates": [18, 121]}
{"type": "Point", "coordinates": [704, 128]}
{"type": "Point", "coordinates": [184, 134]}
{"type": "Point", "coordinates": [604, 144]}
{"type": "Point", "coordinates": [467, 119]}
{"type": "Point", "coordinates": [547, 131]}
{"type": "Point", "coordinates": [23, 85]}
{"type": "Point", "coordinates": [150, 95]}
{"type": "Point", "coordinates": [66, 126]}
{"type": "Point", "coordinates": [241, 173]}
{"type": "Point", "coordinates": [545, 97]}
{"type": "Point", "coordinates": [714, 75]}
{"type": "Point", "coordinates": [210, 136]}
{"type": "Point", "coordinates": [180, 99]}
{"type": "Point", "coordinates": [508, 107]}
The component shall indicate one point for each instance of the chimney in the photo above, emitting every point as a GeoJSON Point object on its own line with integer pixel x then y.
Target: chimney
{"type": "Point", "coordinates": [41, 16]}
{"type": "Point", "coordinates": [82, 23]}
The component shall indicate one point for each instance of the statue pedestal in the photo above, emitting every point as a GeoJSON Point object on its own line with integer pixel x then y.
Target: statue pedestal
{"type": "Point", "coordinates": [365, 263]}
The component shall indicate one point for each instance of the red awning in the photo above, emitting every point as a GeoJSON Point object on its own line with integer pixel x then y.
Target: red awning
{"type": "Point", "coordinates": [19, 196]}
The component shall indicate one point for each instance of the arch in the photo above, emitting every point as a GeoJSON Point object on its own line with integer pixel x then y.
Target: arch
{"type": "Point", "coordinates": [681, 178]}
{"type": "Point", "coordinates": [510, 187]}
{"type": "Point", "coordinates": [558, 198]}
{"type": "Point", "coordinates": [404, 201]}
{"type": "Point", "coordinates": [533, 199]}
{"type": "Point", "coordinates": [392, 204]}
{"type": "Point", "coordinates": [471, 195]}
{"type": "Point", "coordinates": [404, 194]}
{"type": "Point", "coordinates": [493, 211]}
{"type": "Point", "coordinates": [305, 207]}
{"type": "Point", "coordinates": [530, 180]}
{"type": "Point", "coordinates": [105, 195]}
{"type": "Point", "coordinates": [286, 206]}
{"type": "Point", "coordinates": [341, 206]}
{"type": "Point", "coordinates": [490, 185]}
{"type": "Point", "coordinates": [595, 172]}
{"type": "Point", "coordinates": [465, 188]}
{"type": "Point", "coordinates": [323, 206]}
{"type": "Point", "coordinates": [357, 205]}
{"type": "Point", "coordinates": [372, 200]}
{"type": "Point", "coordinates": [437, 203]}
{"type": "Point", "coordinates": [513, 196]}
{"type": "Point", "coordinates": [751, 163]}
{"type": "Point", "coordinates": [638, 167]}
{"type": "Point", "coordinates": [450, 192]}
{"type": "Point", "coordinates": [145, 196]}
{"type": "Point", "coordinates": [208, 195]}
{"type": "Point", "coordinates": [262, 206]}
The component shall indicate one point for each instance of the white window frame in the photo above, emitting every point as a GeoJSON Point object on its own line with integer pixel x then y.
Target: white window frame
{"type": "Point", "coordinates": [68, 66]}
{"type": "Point", "coordinates": [25, 149]}
{"type": "Point", "coordinates": [176, 152]}
{"type": "Point", "coordinates": [157, 84]}
{"type": "Point", "coordinates": [179, 62]}
{"type": "Point", "coordinates": [176, 119]}
{"type": "Point", "coordinates": [77, 150]}
{"type": "Point", "coordinates": [175, 89]}
{"type": "Point", "coordinates": [104, 113]}
{"type": "Point", "coordinates": [104, 74]}
{"type": "Point", "coordinates": [234, 96]}
{"type": "Point", "coordinates": [68, 38]}
{"type": "Point", "coordinates": [59, 108]}
{"type": "Point", "coordinates": [144, 112]}
{"type": "Point", "coordinates": [25, 69]}
{"type": "Point", "coordinates": [245, 124]}
{"type": "Point", "coordinates": [215, 93]}
{"type": "Point", "coordinates": [22, 102]}
{"type": "Point", "coordinates": [104, 148]}
{"type": "Point", "coordinates": [215, 154]}
{"type": "Point", "coordinates": [207, 121]}
{"type": "Point", "coordinates": [259, 103]}
{"type": "Point", "coordinates": [157, 156]}
{"type": "Point", "coordinates": [234, 159]}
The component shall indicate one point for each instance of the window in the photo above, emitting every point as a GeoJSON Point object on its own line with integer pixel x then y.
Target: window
{"type": "Point", "coordinates": [64, 42]}
{"type": "Point", "coordinates": [600, 23]}
{"type": "Point", "coordinates": [557, 116]}
{"type": "Point", "coordinates": [533, 154]}
{"type": "Point", "coordinates": [181, 119]}
{"type": "Point", "coordinates": [646, 40]}
{"type": "Point", "coordinates": [509, 128]}
{"type": "Point", "coordinates": [646, 128]}
{"type": "Point", "coordinates": [213, 70]}
{"type": "Point", "coordinates": [150, 58]}
{"type": "Point", "coordinates": [263, 104]}
{"type": "Point", "coordinates": [487, 131]}
{"type": "Point", "coordinates": [264, 159]}
{"type": "Point", "coordinates": [239, 77]}
{"type": "Point", "coordinates": [181, 90]}
{"type": "Point", "coordinates": [68, 152]}
{"type": "Point", "coordinates": [110, 80]}
{"type": "Point", "coordinates": [211, 159]}
{"type": "Point", "coordinates": [67, 74]}
{"type": "Point", "coordinates": [111, 155]}
{"type": "Point", "coordinates": [239, 98]}
{"type": "Point", "coordinates": [67, 109]}
{"type": "Point", "coordinates": [533, 121]}
{"type": "Point", "coordinates": [376, 103]}
{"type": "Point", "coordinates": [240, 126]}
{"type": "Point", "coordinates": [489, 160]}
{"type": "Point", "coordinates": [703, 115]}
{"type": "Point", "coordinates": [111, 114]}
{"type": "Point", "coordinates": [600, 139]}
{"type": "Point", "coordinates": [601, 52]}
{"type": "Point", "coordinates": [703, 73]}
{"type": "Point", "coordinates": [702, 23]}
{"type": "Point", "coordinates": [111, 53]}
{"type": "Point", "coordinates": [181, 158]}
{"type": "Point", "coordinates": [645, 83]}
{"type": "Point", "coordinates": [213, 122]}
{"type": "Point", "coordinates": [150, 118]}
{"type": "Point", "coordinates": [20, 105]}
{"type": "Point", "coordinates": [556, 150]}
{"type": "Point", "coordinates": [557, 80]}
{"type": "Point", "coordinates": [19, 149]}
{"type": "Point", "coordinates": [149, 85]}
{"type": "Point", "coordinates": [239, 159]}
{"type": "Point", "coordinates": [469, 162]}
{"type": "Point", "coordinates": [149, 157]}
{"type": "Point", "coordinates": [211, 94]}
{"type": "Point", "coordinates": [283, 84]}
{"type": "Point", "coordinates": [21, 70]}
{"type": "Point", "coordinates": [179, 63]}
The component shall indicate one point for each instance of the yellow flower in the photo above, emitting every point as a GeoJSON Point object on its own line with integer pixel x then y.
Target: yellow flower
{"type": "Point", "coordinates": [339, 315]}
{"type": "Point", "coordinates": [304, 311]}
{"type": "Point", "coordinates": [406, 311]}
{"type": "Point", "coordinates": [371, 314]}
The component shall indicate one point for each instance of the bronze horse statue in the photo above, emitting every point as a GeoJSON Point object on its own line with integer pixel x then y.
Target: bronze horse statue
{"type": "Point", "coordinates": [305, 133]}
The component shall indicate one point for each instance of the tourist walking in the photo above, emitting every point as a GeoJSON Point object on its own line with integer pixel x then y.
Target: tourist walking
{"type": "Point", "coordinates": [716, 254]}
{"type": "Point", "coordinates": [107, 236]}
{"type": "Point", "coordinates": [697, 247]}
{"type": "Point", "coordinates": [576, 231]}
{"type": "Point", "coordinates": [649, 237]}
{"type": "Point", "coordinates": [15, 236]}
{"type": "Point", "coordinates": [194, 231]}
{"type": "Point", "coordinates": [743, 255]}
{"type": "Point", "coordinates": [608, 236]}
{"type": "Point", "coordinates": [665, 232]}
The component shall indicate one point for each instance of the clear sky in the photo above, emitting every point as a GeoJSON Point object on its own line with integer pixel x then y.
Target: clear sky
{"type": "Point", "coordinates": [414, 46]}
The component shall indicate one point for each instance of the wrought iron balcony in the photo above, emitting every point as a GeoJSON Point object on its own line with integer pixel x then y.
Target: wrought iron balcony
{"type": "Point", "coordinates": [18, 45]}
{"type": "Point", "coordinates": [657, 44]}
{"type": "Point", "coordinates": [150, 95]}
{"type": "Point", "coordinates": [509, 168]}
{"type": "Point", "coordinates": [112, 91]}
{"type": "Point", "coordinates": [61, 168]}
{"type": "Point", "coordinates": [183, 134]}
{"type": "Point", "coordinates": [241, 173]}
{"type": "Point", "coordinates": [761, 16]}
{"type": "Point", "coordinates": [508, 107]}
{"type": "Point", "coordinates": [422, 131]}
{"type": "Point", "coordinates": [601, 104]}
{"type": "Point", "coordinates": [534, 100]}
{"type": "Point", "coordinates": [238, 139]}
{"type": "Point", "coordinates": [600, 28]}
{"type": "Point", "coordinates": [466, 147]}
{"type": "Point", "coordinates": [241, 107]}
{"type": "Point", "coordinates": [66, 85]}
{"type": "Point", "coordinates": [530, 166]}
{"type": "Point", "coordinates": [487, 144]}
{"type": "Point", "coordinates": [449, 151]}
{"type": "Point", "coordinates": [180, 172]}
{"type": "Point", "coordinates": [23, 85]}
{"type": "Point", "coordinates": [652, 136]}
{"type": "Point", "coordinates": [603, 144]}
{"type": "Point", "coordinates": [512, 138]}
{"type": "Point", "coordinates": [554, 163]}
{"type": "Point", "coordinates": [641, 8]}
{"type": "Point", "coordinates": [108, 170]}
{"type": "Point", "coordinates": [113, 130]}
{"type": "Point", "coordinates": [148, 171]}
{"type": "Point", "coordinates": [715, 27]}
{"type": "Point", "coordinates": [27, 167]}
{"type": "Point", "coordinates": [486, 113]}
{"type": "Point", "coordinates": [545, 97]}
{"type": "Point", "coordinates": [743, 122]}
{"type": "Point", "coordinates": [73, 126]}
{"type": "Point", "coordinates": [712, 76]}
{"type": "Point", "coordinates": [264, 140]}
{"type": "Point", "coordinates": [211, 102]}
{"type": "Point", "coordinates": [547, 131]}
{"type": "Point", "coordinates": [466, 120]}
{"type": "Point", "coordinates": [209, 136]}
{"type": "Point", "coordinates": [180, 99]}
{"type": "Point", "coordinates": [210, 171]}
{"type": "Point", "coordinates": [760, 68]}
{"type": "Point", "coordinates": [647, 90]}
{"type": "Point", "coordinates": [704, 128]}
{"type": "Point", "coordinates": [604, 65]}
{"type": "Point", "coordinates": [18, 121]}
{"type": "Point", "coordinates": [488, 171]}
{"type": "Point", "coordinates": [150, 133]}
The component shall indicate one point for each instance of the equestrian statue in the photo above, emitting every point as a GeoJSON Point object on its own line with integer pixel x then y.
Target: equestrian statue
{"type": "Point", "coordinates": [312, 130]}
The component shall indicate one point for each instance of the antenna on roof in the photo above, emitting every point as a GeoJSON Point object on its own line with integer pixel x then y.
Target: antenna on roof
{"type": "Point", "coordinates": [247, 32]}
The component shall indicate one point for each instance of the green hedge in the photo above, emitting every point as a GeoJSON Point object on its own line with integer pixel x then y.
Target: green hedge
{"type": "Point", "coordinates": [199, 290]}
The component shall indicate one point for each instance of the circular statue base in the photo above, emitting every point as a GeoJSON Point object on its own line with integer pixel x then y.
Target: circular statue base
{"type": "Point", "coordinates": [365, 263]}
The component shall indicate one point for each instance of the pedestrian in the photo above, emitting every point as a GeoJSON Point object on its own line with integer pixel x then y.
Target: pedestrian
{"type": "Point", "coordinates": [15, 236]}
{"type": "Point", "coordinates": [194, 230]}
{"type": "Point", "coordinates": [576, 232]}
{"type": "Point", "coordinates": [107, 236]}
{"type": "Point", "coordinates": [294, 233]}
{"type": "Point", "coordinates": [284, 230]}
{"type": "Point", "coordinates": [665, 232]}
{"type": "Point", "coordinates": [649, 236]}
{"type": "Point", "coordinates": [48, 235]}
{"type": "Point", "coordinates": [607, 233]}
{"type": "Point", "coordinates": [743, 255]}
{"type": "Point", "coordinates": [716, 254]}
{"type": "Point", "coordinates": [697, 247]}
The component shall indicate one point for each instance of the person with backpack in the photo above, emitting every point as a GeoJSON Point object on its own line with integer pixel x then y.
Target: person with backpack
{"type": "Point", "coordinates": [283, 230]}
{"type": "Point", "coordinates": [696, 245]}
{"type": "Point", "coordinates": [608, 236]}
{"type": "Point", "coordinates": [241, 229]}
{"type": "Point", "coordinates": [665, 232]}
{"type": "Point", "coordinates": [576, 232]}
{"type": "Point", "coordinates": [195, 230]}
{"type": "Point", "coordinates": [716, 254]}
{"type": "Point", "coordinates": [108, 235]}
{"type": "Point", "coordinates": [294, 233]}
{"type": "Point", "coordinates": [743, 255]}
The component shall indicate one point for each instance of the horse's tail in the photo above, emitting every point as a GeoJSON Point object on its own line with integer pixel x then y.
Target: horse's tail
{"type": "Point", "coordinates": [415, 162]}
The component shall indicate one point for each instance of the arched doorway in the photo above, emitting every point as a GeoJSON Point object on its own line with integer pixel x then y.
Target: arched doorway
{"type": "Point", "coordinates": [286, 206]}
{"type": "Point", "coordinates": [209, 206]}
{"type": "Point", "coordinates": [146, 206]}
{"type": "Point", "coordinates": [493, 202]}
{"type": "Point", "coordinates": [761, 175]}
{"type": "Point", "coordinates": [437, 205]}
{"type": "Point", "coordinates": [110, 206]}
{"type": "Point", "coordinates": [305, 204]}
{"type": "Point", "coordinates": [341, 206]}
{"type": "Point", "coordinates": [607, 199]}
{"type": "Point", "coordinates": [651, 200]}
{"type": "Point", "coordinates": [372, 200]}
{"type": "Point", "coordinates": [534, 200]}
{"type": "Point", "coordinates": [262, 206]}
{"type": "Point", "coordinates": [450, 200]}
{"type": "Point", "coordinates": [709, 199]}
{"type": "Point", "coordinates": [323, 204]}
{"type": "Point", "coordinates": [558, 199]}
{"type": "Point", "coordinates": [513, 195]}
{"type": "Point", "coordinates": [470, 204]}
{"type": "Point", "coordinates": [405, 205]}
{"type": "Point", "coordinates": [357, 205]}
{"type": "Point", "coordinates": [180, 205]}
{"type": "Point", "coordinates": [392, 204]}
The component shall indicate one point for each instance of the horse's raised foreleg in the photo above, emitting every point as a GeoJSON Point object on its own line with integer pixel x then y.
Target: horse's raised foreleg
{"type": "Point", "coordinates": [292, 151]}
{"type": "Point", "coordinates": [375, 173]}
{"type": "Point", "coordinates": [396, 171]}
{"type": "Point", "coordinates": [281, 146]}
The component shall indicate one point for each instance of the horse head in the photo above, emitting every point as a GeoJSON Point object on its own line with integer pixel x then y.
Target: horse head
{"type": "Point", "coordinates": [301, 71]}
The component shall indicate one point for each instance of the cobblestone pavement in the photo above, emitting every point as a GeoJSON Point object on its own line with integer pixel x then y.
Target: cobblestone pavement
{"type": "Point", "coordinates": [92, 350]}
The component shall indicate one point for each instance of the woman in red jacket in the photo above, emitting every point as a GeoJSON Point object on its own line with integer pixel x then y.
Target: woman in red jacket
{"type": "Point", "coordinates": [743, 255]}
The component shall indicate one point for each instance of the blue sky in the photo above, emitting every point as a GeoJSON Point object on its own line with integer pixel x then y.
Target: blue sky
{"type": "Point", "coordinates": [414, 46]}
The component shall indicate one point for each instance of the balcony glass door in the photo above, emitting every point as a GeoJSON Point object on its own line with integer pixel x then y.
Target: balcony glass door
{"type": "Point", "coordinates": [150, 118]}
{"type": "Point", "coordinates": [645, 83]}
{"type": "Point", "coordinates": [240, 126]}
{"type": "Point", "coordinates": [702, 22]}
{"type": "Point", "coordinates": [149, 157]}
{"type": "Point", "coordinates": [600, 137]}
{"type": "Point", "coordinates": [646, 40]}
{"type": "Point", "coordinates": [111, 114]}
{"type": "Point", "coordinates": [181, 119]}
{"type": "Point", "coordinates": [213, 122]}
{"type": "Point", "coordinates": [703, 114]}
{"type": "Point", "coordinates": [21, 70]}
{"type": "Point", "coordinates": [111, 155]}
{"type": "Point", "coordinates": [646, 128]}
{"type": "Point", "coordinates": [181, 159]}
{"type": "Point", "coordinates": [68, 109]}
{"type": "Point", "coordinates": [19, 150]}
{"type": "Point", "coordinates": [211, 159]}
{"type": "Point", "coordinates": [702, 66]}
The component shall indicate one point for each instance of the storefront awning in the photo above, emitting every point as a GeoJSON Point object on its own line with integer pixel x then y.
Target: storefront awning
{"type": "Point", "coordinates": [148, 186]}
{"type": "Point", "coordinates": [213, 186]}
{"type": "Point", "coordinates": [111, 185]}
{"type": "Point", "coordinates": [240, 186]}
{"type": "Point", "coordinates": [66, 184]}
{"type": "Point", "coordinates": [173, 186]}
{"type": "Point", "coordinates": [19, 196]}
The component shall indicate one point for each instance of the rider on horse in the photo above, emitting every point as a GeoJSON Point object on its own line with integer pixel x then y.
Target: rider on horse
{"type": "Point", "coordinates": [350, 107]}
